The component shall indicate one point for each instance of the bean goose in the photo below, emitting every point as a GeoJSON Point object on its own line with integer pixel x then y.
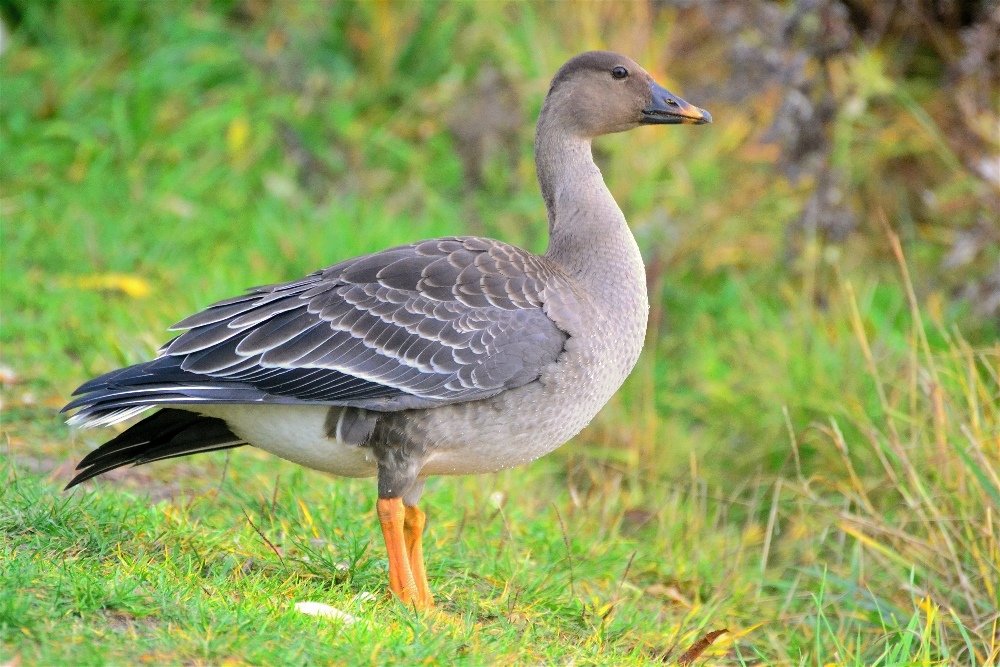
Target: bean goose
{"type": "Point", "coordinates": [448, 356]}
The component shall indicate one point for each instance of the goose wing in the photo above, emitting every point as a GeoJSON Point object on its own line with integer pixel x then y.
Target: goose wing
{"type": "Point", "coordinates": [437, 322]}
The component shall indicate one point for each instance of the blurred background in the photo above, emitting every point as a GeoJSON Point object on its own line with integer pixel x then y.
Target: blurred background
{"type": "Point", "coordinates": [820, 385]}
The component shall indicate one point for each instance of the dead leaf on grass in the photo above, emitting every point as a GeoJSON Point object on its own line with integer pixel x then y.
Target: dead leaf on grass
{"type": "Point", "coordinates": [699, 647]}
{"type": "Point", "coordinates": [123, 283]}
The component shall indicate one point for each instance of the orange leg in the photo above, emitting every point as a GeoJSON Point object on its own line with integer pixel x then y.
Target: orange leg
{"type": "Point", "coordinates": [413, 531]}
{"type": "Point", "coordinates": [391, 515]}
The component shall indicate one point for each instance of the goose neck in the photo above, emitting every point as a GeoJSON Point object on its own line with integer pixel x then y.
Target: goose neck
{"type": "Point", "coordinates": [588, 235]}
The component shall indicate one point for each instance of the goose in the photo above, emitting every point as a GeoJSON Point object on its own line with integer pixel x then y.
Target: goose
{"type": "Point", "coordinates": [449, 356]}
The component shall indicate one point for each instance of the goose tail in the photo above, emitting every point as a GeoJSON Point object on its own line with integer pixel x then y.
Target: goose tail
{"type": "Point", "coordinates": [165, 434]}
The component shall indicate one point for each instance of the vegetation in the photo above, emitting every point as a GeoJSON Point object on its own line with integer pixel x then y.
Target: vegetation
{"type": "Point", "coordinates": [808, 455]}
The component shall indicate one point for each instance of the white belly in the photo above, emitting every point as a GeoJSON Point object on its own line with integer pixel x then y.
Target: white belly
{"type": "Point", "coordinates": [296, 433]}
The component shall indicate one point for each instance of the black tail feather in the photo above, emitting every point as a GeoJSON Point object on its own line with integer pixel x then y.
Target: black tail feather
{"type": "Point", "coordinates": [165, 434]}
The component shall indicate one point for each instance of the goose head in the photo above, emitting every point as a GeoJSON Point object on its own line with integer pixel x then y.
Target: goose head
{"type": "Point", "coordinates": [601, 92]}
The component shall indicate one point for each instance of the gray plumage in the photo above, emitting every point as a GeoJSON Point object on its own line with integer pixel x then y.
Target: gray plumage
{"type": "Point", "coordinates": [451, 355]}
{"type": "Point", "coordinates": [437, 322]}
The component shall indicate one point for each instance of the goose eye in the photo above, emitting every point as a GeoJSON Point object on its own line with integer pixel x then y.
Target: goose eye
{"type": "Point", "coordinates": [619, 72]}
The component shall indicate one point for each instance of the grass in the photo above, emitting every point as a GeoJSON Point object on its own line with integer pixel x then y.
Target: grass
{"type": "Point", "coordinates": [821, 482]}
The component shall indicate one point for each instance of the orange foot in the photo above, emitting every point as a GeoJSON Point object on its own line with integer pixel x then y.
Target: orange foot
{"type": "Point", "coordinates": [403, 529]}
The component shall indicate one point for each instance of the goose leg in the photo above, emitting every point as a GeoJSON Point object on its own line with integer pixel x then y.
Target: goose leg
{"type": "Point", "coordinates": [413, 531]}
{"type": "Point", "coordinates": [391, 516]}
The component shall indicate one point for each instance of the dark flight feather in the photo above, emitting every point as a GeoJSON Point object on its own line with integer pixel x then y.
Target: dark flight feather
{"type": "Point", "coordinates": [442, 321]}
{"type": "Point", "coordinates": [164, 434]}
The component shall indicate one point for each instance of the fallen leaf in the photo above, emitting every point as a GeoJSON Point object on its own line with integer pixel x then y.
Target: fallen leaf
{"type": "Point", "coordinates": [127, 284]}
{"type": "Point", "coordinates": [670, 592]}
{"type": "Point", "coordinates": [237, 135]}
{"type": "Point", "coordinates": [699, 647]}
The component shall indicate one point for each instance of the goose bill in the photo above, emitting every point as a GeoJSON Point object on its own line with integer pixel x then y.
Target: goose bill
{"type": "Point", "coordinates": [665, 108]}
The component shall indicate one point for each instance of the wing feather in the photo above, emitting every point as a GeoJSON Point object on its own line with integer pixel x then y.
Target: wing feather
{"type": "Point", "coordinates": [437, 322]}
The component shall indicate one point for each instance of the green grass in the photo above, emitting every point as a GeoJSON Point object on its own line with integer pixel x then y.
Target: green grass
{"type": "Point", "coordinates": [823, 482]}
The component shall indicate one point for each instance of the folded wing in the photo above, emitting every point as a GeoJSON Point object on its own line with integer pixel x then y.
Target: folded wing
{"type": "Point", "coordinates": [442, 321]}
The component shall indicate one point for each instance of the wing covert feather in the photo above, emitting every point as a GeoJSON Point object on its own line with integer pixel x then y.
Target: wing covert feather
{"type": "Point", "coordinates": [440, 321]}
